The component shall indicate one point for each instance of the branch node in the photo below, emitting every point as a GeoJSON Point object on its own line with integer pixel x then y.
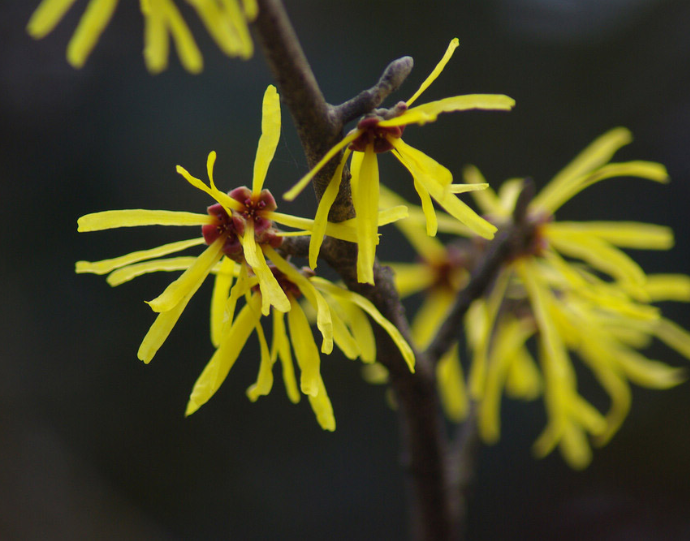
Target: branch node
{"type": "Point", "coordinates": [368, 100]}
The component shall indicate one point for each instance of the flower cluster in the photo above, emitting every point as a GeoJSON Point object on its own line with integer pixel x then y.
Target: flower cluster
{"type": "Point", "coordinates": [567, 291]}
{"type": "Point", "coordinates": [225, 20]}
{"type": "Point", "coordinates": [381, 131]}
{"type": "Point", "coordinates": [571, 289]}
{"type": "Point", "coordinates": [242, 239]}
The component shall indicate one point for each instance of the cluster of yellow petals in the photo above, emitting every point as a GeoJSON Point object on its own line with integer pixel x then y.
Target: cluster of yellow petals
{"type": "Point", "coordinates": [604, 321]}
{"type": "Point", "coordinates": [340, 313]}
{"type": "Point", "coordinates": [432, 181]}
{"type": "Point", "coordinates": [225, 20]}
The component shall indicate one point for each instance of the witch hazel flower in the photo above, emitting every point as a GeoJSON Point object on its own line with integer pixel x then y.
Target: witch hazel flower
{"type": "Point", "coordinates": [574, 290]}
{"type": "Point", "coordinates": [379, 132]}
{"type": "Point", "coordinates": [238, 229]}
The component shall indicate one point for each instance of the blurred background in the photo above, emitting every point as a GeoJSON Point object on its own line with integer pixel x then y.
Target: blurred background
{"type": "Point", "coordinates": [93, 443]}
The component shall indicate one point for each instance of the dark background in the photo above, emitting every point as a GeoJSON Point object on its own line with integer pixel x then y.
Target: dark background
{"type": "Point", "coordinates": [93, 444]}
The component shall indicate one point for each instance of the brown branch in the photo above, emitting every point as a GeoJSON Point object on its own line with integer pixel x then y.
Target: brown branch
{"type": "Point", "coordinates": [393, 76]}
{"type": "Point", "coordinates": [319, 126]}
{"type": "Point", "coordinates": [507, 244]}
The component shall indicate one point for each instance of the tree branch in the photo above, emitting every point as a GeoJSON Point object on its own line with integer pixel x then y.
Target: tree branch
{"type": "Point", "coordinates": [508, 244]}
{"type": "Point", "coordinates": [319, 127]}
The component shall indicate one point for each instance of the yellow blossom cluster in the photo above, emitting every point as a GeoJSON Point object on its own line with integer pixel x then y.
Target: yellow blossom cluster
{"type": "Point", "coordinates": [573, 291]}
{"type": "Point", "coordinates": [225, 20]}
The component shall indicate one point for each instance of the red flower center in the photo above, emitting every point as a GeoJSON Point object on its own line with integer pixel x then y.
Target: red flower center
{"type": "Point", "coordinates": [375, 135]}
{"type": "Point", "coordinates": [232, 227]}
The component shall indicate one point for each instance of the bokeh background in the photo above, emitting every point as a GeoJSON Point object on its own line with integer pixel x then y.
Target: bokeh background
{"type": "Point", "coordinates": [94, 445]}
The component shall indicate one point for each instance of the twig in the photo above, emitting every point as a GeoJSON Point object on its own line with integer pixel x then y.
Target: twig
{"type": "Point", "coordinates": [368, 100]}
{"type": "Point", "coordinates": [507, 244]}
{"type": "Point", "coordinates": [319, 127]}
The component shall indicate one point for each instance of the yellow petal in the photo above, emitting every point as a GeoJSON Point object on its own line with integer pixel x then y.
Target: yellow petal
{"type": "Point", "coordinates": [648, 373]}
{"type": "Point", "coordinates": [648, 170]}
{"type": "Point", "coordinates": [451, 386]}
{"type": "Point", "coordinates": [486, 200]}
{"type": "Point", "coordinates": [321, 218]}
{"type": "Point", "coordinates": [236, 19]}
{"type": "Point", "coordinates": [302, 183]}
{"type": "Point", "coordinates": [480, 357]}
{"type": "Point", "coordinates": [271, 292]}
{"type": "Point", "coordinates": [125, 274]}
{"type": "Point", "coordinates": [510, 336]}
{"type": "Point", "coordinates": [281, 348]}
{"type": "Point", "coordinates": [106, 265]}
{"type": "Point", "coordinates": [601, 359]}
{"type": "Point", "coordinates": [264, 382]}
{"type": "Point", "coordinates": [423, 168]}
{"type": "Point", "coordinates": [431, 315]}
{"type": "Point", "coordinates": [164, 323]}
{"type": "Point", "coordinates": [225, 356]}
{"type": "Point", "coordinates": [352, 297]}
{"type": "Point", "coordinates": [270, 135]}
{"type": "Point", "coordinates": [436, 179]}
{"type": "Point", "coordinates": [343, 338]}
{"type": "Point", "coordinates": [636, 235]}
{"type": "Point", "coordinates": [251, 9]}
{"type": "Point", "coordinates": [556, 366]}
{"type": "Point", "coordinates": [574, 447]}
{"type": "Point", "coordinates": [210, 14]}
{"type": "Point", "coordinates": [361, 331]}
{"type": "Point", "coordinates": [436, 71]}
{"type": "Point", "coordinates": [597, 253]}
{"type": "Point", "coordinates": [464, 188]}
{"type": "Point", "coordinates": [485, 332]}
{"type": "Point", "coordinates": [365, 198]}
{"type": "Point", "coordinates": [306, 352]}
{"type": "Point", "coordinates": [323, 312]}
{"type": "Point", "coordinates": [322, 407]}
{"type": "Point", "coordinates": [668, 287]}
{"type": "Point", "coordinates": [427, 208]}
{"type": "Point", "coordinates": [112, 219]}
{"type": "Point", "coordinates": [240, 289]}
{"type": "Point", "coordinates": [411, 278]}
{"type": "Point", "coordinates": [197, 272]}
{"type": "Point", "coordinates": [221, 290]}
{"type": "Point", "coordinates": [187, 50]}
{"type": "Point", "coordinates": [674, 336]}
{"type": "Point", "coordinates": [523, 380]}
{"type": "Point", "coordinates": [47, 15]}
{"type": "Point", "coordinates": [156, 42]}
{"type": "Point", "coordinates": [430, 111]}
{"type": "Point", "coordinates": [161, 329]}
{"type": "Point", "coordinates": [96, 17]}
{"type": "Point", "coordinates": [594, 156]}
{"type": "Point", "coordinates": [228, 203]}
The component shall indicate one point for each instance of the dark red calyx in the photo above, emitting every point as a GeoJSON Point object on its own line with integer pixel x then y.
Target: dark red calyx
{"type": "Point", "coordinates": [375, 135]}
{"type": "Point", "coordinates": [254, 207]}
{"type": "Point", "coordinates": [224, 226]}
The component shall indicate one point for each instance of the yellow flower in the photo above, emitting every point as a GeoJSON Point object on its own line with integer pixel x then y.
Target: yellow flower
{"type": "Point", "coordinates": [568, 306]}
{"type": "Point", "coordinates": [341, 317]}
{"type": "Point", "coordinates": [379, 132]}
{"type": "Point", "coordinates": [238, 229]}
{"type": "Point", "coordinates": [225, 20]}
